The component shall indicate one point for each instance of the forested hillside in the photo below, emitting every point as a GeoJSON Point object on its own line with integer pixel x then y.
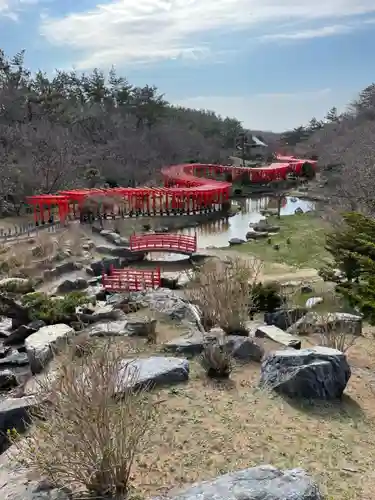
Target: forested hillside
{"type": "Point", "coordinates": [75, 130]}
{"type": "Point", "coordinates": [345, 147]}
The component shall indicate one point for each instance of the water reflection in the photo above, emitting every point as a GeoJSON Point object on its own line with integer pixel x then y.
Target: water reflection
{"type": "Point", "coordinates": [218, 233]}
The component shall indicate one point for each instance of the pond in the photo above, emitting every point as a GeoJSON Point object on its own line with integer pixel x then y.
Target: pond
{"type": "Point", "coordinates": [218, 233]}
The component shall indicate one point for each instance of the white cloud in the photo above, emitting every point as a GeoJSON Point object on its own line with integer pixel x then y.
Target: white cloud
{"type": "Point", "coordinates": [11, 9]}
{"type": "Point", "coordinates": [276, 112]}
{"type": "Point", "coordinates": [134, 30]}
{"type": "Point", "coordinates": [337, 29]}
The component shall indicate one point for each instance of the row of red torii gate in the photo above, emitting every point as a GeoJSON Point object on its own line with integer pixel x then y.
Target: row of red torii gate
{"type": "Point", "coordinates": [188, 189]}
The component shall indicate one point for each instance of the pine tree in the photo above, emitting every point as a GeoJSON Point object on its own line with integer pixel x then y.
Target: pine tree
{"type": "Point", "coordinates": [353, 250]}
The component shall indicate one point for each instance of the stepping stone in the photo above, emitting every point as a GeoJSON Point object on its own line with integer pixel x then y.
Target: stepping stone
{"type": "Point", "coordinates": [278, 335]}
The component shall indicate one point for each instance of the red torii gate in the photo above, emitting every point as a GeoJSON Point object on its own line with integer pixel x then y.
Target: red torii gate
{"type": "Point", "coordinates": [184, 191]}
{"type": "Point", "coordinates": [47, 201]}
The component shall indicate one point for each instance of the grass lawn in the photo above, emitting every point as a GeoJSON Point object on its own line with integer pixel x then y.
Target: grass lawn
{"type": "Point", "coordinates": [205, 428]}
{"type": "Point", "coordinates": [306, 233]}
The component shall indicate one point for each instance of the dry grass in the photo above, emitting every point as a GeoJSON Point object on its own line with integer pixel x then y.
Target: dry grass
{"type": "Point", "coordinates": [209, 428]}
{"type": "Point", "coordinates": [41, 250]}
{"type": "Point", "coordinates": [222, 291]}
{"type": "Point", "coordinates": [86, 434]}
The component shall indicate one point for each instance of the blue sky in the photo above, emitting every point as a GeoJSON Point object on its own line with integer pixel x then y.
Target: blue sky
{"type": "Point", "coordinates": [273, 64]}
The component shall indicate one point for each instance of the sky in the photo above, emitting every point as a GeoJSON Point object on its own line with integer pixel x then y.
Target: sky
{"type": "Point", "coordinates": [273, 64]}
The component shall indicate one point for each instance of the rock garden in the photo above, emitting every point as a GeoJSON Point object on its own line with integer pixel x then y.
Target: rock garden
{"type": "Point", "coordinates": [218, 385]}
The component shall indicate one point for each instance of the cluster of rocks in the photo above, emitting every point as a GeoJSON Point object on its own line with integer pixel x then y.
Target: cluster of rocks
{"type": "Point", "coordinates": [258, 231]}
{"type": "Point", "coordinates": [313, 373]}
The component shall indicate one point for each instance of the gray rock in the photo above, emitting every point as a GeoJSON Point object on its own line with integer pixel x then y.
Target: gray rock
{"type": "Point", "coordinates": [105, 264]}
{"type": "Point", "coordinates": [101, 313]}
{"type": "Point", "coordinates": [313, 301]}
{"type": "Point", "coordinates": [307, 289]}
{"type": "Point", "coordinates": [19, 335]}
{"type": "Point", "coordinates": [253, 235]}
{"type": "Point", "coordinates": [14, 414]}
{"type": "Point", "coordinates": [14, 358]}
{"type": "Point", "coordinates": [278, 335]}
{"type": "Point", "coordinates": [67, 267]}
{"type": "Point", "coordinates": [264, 227]}
{"type": "Point", "coordinates": [284, 318]}
{"type": "Point", "coordinates": [72, 285]}
{"type": "Point", "coordinates": [314, 322]}
{"type": "Point", "coordinates": [190, 344]}
{"type": "Point", "coordinates": [244, 348]}
{"type": "Point", "coordinates": [16, 484]}
{"type": "Point", "coordinates": [236, 241]}
{"type": "Point", "coordinates": [4, 351]}
{"type": "Point", "coordinates": [141, 328]}
{"type": "Point", "coordinates": [8, 379]}
{"type": "Point", "coordinates": [151, 372]}
{"type": "Point", "coordinates": [41, 345]}
{"type": "Point", "coordinates": [5, 326]}
{"type": "Point", "coordinates": [316, 373]}
{"type": "Point", "coordinates": [110, 329]}
{"type": "Point", "coordinates": [167, 302]}
{"type": "Point", "coordinates": [257, 483]}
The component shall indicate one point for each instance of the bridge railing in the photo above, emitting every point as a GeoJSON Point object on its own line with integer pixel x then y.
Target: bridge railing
{"type": "Point", "coordinates": [167, 242]}
{"type": "Point", "coordinates": [131, 280]}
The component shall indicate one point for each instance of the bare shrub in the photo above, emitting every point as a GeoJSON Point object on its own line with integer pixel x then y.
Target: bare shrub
{"type": "Point", "coordinates": [84, 435]}
{"type": "Point", "coordinates": [336, 336]}
{"type": "Point", "coordinates": [223, 292]}
{"type": "Point", "coordinates": [216, 360]}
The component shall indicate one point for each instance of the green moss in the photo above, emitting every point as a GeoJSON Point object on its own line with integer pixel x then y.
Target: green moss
{"type": "Point", "coordinates": [53, 309]}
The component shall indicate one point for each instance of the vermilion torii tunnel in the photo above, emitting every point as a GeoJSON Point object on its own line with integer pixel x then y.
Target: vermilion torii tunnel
{"type": "Point", "coordinates": [188, 189]}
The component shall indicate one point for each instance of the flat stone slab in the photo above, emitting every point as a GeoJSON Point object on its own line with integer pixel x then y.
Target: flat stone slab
{"type": "Point", "coordinates": [277, 335]}
{"type": "Point", "coordinates": [257, 483]}
{"type": "Point", "coordinates": [110, 329]}
{"type": "Point", "coordinates": [41, 345]}
{"type": "Point", "coordinates": [151, 372]}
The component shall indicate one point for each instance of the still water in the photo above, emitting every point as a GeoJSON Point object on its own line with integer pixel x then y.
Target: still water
{"type": "Point", "coordinates": [218, 233]}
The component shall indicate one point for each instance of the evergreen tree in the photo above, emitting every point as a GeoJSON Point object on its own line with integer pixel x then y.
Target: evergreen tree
{"type": "Point", "coordinates": [353, 250]}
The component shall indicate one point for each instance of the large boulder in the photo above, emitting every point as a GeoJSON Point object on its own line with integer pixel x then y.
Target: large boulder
{"type": "Point", "coordinates": [283, 318]}
{"type": "Point", "coordinates": [41, 345]}
{"type": "Point", "coordinates": [316, 373]}
{"type": "Point", "coordinates": [151, 372]}
{"type": "Point", "coordinates": [339, 322]}
{"type": "Point", "coordinates": [257, 483]}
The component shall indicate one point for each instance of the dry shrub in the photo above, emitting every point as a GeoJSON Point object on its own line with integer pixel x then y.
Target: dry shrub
{"type": "Point", "coordinates": [216, 360]}
{"type": "Point", "coordinates": [83, 435]}
{"type": "Point", "coordinates": [340, 337]}
{"type": "Point", "coordinates": [223, 292]}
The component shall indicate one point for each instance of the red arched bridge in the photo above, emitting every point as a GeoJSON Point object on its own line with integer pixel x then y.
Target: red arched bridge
{"type": "Point", "coordinates": [175, 243]}
{"type": "Point", "coordinates": [188, 189]}
{"type": "Point", "coordinates": [131, 280]}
